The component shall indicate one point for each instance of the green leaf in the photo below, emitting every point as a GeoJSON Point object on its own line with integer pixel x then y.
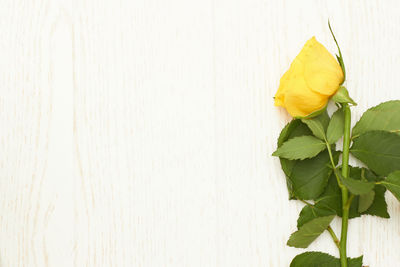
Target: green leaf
{"type": "Point", "coordinates": [357, 262]}
{"type": "Point", "coordinates": [299, 182]}
{"type": "Point", "coordinates": [309, 232]}
{"type": "Point", "coordinates": [319, 259]}
{"type": "Point", "coordinates": [365, 201]}
{"type": "Point", "coordinates": [385, 117]}
{"type": "Point", "coordinates": [301, 147]}
{"type": "Point", "coordinates": [392, 183]}
{"type": "Point", "coordinates": [332, 197]}
{"type": "Point", "coordinates": [336, 127]}
{"type": "Point", "coordinates": [342, 96]}
{"type": "Point", "coordinates": [379, 150]}
{"type": "Point", "coordinates": [357, 187]}
{"type": "Point", "coordinates": [292, 129]}
{"type": "Point", "coordinates": [315, 259]}
{"type": "Point", "coordinates": [310, 212]}
{"type": "Point", "coordinates": [309, 177]}
{"type": "Point", "coordinates": [379, 205]}
{"type": "Point", "coordinates": [318, 125]}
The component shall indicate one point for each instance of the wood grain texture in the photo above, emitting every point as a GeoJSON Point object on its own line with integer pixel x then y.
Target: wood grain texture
{"type": "Point", "coordinates": [139, 133]}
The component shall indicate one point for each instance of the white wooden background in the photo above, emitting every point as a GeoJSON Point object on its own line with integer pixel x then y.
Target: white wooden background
{"type": "Point", "coordinates": [139, 132]}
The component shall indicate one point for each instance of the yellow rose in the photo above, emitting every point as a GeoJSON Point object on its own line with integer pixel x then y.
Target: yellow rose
{"type": "Point", "coordinates": [313, 77]}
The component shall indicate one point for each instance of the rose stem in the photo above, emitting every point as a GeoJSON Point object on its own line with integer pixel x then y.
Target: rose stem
{"type": "Point", "coordinates": [345, 173]}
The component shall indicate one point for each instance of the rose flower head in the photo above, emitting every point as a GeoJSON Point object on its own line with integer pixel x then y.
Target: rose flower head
{"type": "Point", "coordinates": [313, 77]}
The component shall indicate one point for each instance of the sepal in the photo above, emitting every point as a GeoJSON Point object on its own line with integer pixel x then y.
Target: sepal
{"type": "Point", "coordinates": [342, 96]}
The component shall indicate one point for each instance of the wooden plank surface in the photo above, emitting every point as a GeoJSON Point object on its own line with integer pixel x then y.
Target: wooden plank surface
{"type": "Point", "coordinates": [139, 133]}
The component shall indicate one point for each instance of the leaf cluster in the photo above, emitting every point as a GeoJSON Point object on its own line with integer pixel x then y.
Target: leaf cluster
{"type": "Point", "coordinates": [310, 161]}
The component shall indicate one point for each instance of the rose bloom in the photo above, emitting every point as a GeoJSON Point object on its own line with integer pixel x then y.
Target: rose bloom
{"type": "Point", "coordinates": [313, 77]}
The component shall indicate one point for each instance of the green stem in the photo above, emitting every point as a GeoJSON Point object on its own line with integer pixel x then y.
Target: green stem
{"type": "Point", "coordinates": [345, 195]}
{"type": "Point", "coordinates": [334, 237]}
{"type": "Point", "coordinates": [350, 200]}
{"type": "Point", "coordinates": [346, 141]}
{"type": "Point", "coordinates": [305, 202]}
{"type": "Point", "coordinates": [333, 163]}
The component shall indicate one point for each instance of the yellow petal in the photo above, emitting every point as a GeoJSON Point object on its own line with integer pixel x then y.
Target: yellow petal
{"type": "Point", "coordinates": [322, 81]}
{"type": "Point", "coordinates": [322, 72]}
{"type": "Point", "coordinates": [301, 101]}
{"type": "Point", "coordinates": [313, 77]}
{"type": "Point", "coordinates": [280, 94]}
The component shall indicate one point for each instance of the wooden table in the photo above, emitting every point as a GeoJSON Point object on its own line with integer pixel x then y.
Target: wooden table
{"type": "Point", "coordinates": [139, 132]}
